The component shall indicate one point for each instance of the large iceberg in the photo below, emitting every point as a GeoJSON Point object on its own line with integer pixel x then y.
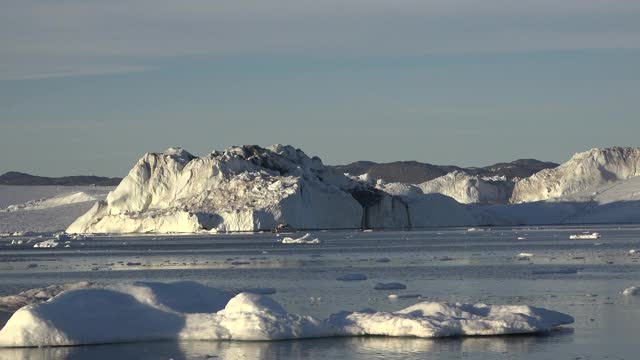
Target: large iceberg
{"type": "Point", "coordinates": [251, 188]}
{"type": "Point", "coordinates": [248, 188]}
{"type": "Point", "coordinates": [191, 311]}
{"type": "Point", "coordinates": [584, 171]}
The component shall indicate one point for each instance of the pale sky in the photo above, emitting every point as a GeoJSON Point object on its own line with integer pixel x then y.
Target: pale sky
{"type": "Point", "coordinates": [88, 86]}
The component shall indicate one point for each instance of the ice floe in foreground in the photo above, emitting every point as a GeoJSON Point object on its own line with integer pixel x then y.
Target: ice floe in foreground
{"type": "Point", "coordinates": [191, 311]}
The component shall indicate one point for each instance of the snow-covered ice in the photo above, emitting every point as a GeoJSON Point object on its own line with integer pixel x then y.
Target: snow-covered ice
{"type": "Point", "coordinates": [584, 171]}
{"type": "Point", "coordinates": [190, 311]}
{"type": "Point", "coordinates": [28, 209]}
{"type": "Point", "coordinates": [38, 295]}
{"type": "Point", "coordinates": [468, 189]}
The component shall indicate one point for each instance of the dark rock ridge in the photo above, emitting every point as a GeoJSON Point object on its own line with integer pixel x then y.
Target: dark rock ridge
{"type": "Point", "coordinates": [18, 178]}
{"type": "Point", "coordinates": [414, 172]}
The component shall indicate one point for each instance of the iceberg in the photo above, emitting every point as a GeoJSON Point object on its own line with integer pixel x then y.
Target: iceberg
{"type": "Point", "coordinates": [247, 188]}
{"type": "Point", "coordinates": [190, 311]}
{"type": "Point", "coordinates": [468, 189]}
{"type": "Point", "coordinates": [584, 171]}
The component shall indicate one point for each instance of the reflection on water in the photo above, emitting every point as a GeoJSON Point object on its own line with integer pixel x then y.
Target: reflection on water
{"type": "Point", "coordinates": [325, 348]}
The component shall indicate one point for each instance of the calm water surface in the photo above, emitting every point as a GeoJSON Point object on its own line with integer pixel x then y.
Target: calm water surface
{"type": "Point", "coordinates": [581, 277]}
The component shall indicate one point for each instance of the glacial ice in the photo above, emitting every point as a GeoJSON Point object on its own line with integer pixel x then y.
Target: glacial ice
{"type": "Point", "coordinates": [59, 200]}
{"type": "Point", "coordinates": [251, 188]}
{"type": "Point", "coordinates": [190, 311]}
{"type": "Point", "coordinates": [247, 188]}
{"type": "Point", "coordinates": [468, 189]}
{"type": "Point", "coordinates": [584, 171]}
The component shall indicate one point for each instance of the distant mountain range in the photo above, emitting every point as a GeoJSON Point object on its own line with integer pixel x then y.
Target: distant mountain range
{"type": "Point", "coordinates": [18, 178]}
{"type": "Point", "coordinates": [414, 172]}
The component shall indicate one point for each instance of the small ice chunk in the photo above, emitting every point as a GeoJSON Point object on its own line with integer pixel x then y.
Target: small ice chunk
{"type": "Point", "coordinates": [352, 277]}
{"type": "Point", "coordinates": [632, 291]}
{"type": "Point", "coordinates": [594, 235]}
{"type": "Point", "coordinates": [62, 236]}
{"type": "Point", "coordinates": [632, 251]}
{"type": "Point", "coordinates": [404, 296]}
{"type": "Point", "coordinates": [306, 239]}
{"type": "Point", "coordinates": [51, 243]}
{"type": "Point", "coordinates": [521, 238]}
{"type": "Point", "coordinates": [525, 255]}
{"type": "Point", "coordinates": [390, 286]}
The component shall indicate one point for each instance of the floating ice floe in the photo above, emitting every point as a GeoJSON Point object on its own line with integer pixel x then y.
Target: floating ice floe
{"type": "Point", "coordinates": [390, 286]}
{"type": "Point", "coordinates": [352, 277]}
{"type": "Point", "coordinates": [521, 238]}
{"type": "Point", "coordinates": [632, 251]}
{"type": "Point", "coordinates": [51, 243]}
{"type": "Point", "coordinates": [525, 255]}
{"type": "Point", "coordinates": [306, 239]}
{"type": "Point", "coordinates": [403, 296]}
{"type": "Point", "coordinates": [631, 291]}
{"type": "Point", "coordinates": [594, 235]}
{"type": "Point", "coordinates": [190, 311]}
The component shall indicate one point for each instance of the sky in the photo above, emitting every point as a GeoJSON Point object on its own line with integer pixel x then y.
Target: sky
{"type": "Point", "coordinates": [89, 86]}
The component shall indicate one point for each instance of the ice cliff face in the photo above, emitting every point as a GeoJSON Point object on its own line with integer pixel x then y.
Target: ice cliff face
{"type": "Point", "coordinates": [468, 189]}
{"type": "Point", "coordinates": [246, 188]}
{"type": "Point", "coordinates": [584, 171]}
